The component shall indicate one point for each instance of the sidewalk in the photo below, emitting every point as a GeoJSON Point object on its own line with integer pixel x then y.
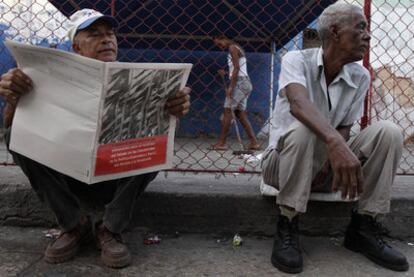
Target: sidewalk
{"type": "Point", "coordinates": [21, 254]}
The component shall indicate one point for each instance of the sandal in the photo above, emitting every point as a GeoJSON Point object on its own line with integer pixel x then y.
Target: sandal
{"type": "Point", "coordinates": [217, 147]}
{"type": "Point", "coordinates": [252, 147]}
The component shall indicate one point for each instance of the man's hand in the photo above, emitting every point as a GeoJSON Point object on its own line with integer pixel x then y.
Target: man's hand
{"type": "Point", "coordinates": [13, 85]}
{"type": "Point", "coordinates": [179, 104]}
{"type": "Point", "coordinates": [346, 168]}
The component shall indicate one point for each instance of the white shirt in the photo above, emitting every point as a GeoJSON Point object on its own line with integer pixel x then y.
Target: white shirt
{"type": "Point", "coordinates": [346, 92]}
{"type": "Point", "coordinates": [242, 64]}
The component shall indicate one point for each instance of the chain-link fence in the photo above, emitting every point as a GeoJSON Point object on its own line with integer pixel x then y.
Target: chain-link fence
{"type": "Point", "coordinates": [181, 31]}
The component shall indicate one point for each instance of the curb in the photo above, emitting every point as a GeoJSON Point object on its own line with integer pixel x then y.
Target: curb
{"type": "Point", "coordinates": [204, 204]}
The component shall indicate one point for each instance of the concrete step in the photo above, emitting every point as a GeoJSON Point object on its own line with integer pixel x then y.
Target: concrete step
{"type": "Point", "coordinates": [208, 203]}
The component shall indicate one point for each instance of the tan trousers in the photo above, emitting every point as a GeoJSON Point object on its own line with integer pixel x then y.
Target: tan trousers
{"type": "Point", "coordinates": [300, 155]}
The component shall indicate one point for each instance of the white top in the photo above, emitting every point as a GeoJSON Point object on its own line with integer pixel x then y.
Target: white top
{"type": "Point", "coordinates": [346, 92]}
{"type": "Point", "coordinates": [242, 63]}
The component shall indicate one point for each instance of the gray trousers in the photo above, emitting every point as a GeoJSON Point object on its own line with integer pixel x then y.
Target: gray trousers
{"type": "Point", "coordinates": [300, 155]}
{"type": "Point", "coordinates": [62, 193]}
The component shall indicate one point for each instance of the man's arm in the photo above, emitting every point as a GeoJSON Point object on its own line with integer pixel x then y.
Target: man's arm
{"type": "Point", "coordinates": [8, 115]}
{"type": "Point", "coordinates": [346, 167]}
{"type": "Point", "coordinates": [234, 53]}
{"type": "Point", "coordinates": [13, 85]}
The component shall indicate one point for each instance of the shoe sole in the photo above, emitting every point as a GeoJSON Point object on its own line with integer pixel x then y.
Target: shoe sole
{"type": "Point", "coordinates": [376, 260]}
{"type": "Point", "coordinates": [63, 258]}
{"type": "Point", "coordinates": [116, 263]}
{"type": "Point", "coordinates": [287, 269]}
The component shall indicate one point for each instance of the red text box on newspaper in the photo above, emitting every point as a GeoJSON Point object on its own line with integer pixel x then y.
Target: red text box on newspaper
{"type": "Point", "coordinates": [131, 155]}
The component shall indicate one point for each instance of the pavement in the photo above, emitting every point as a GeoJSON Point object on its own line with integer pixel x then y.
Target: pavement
{"type": "Point", "coordinates": [196, 217]}
{"type": "Point", "coordinates": [21, 254]}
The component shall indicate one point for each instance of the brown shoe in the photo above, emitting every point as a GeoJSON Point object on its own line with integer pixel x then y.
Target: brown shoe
{"type": "Point", "coordinates": [114, 252]}
{"type": "Point", "coordinates": [66, 245]}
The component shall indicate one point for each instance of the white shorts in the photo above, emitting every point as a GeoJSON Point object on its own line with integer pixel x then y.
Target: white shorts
{"type": "Point", "coordinates": [240, 94]}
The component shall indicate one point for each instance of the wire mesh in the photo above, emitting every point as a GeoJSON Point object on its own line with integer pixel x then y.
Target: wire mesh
{"type": "Point", "coordinates": [181, 31]}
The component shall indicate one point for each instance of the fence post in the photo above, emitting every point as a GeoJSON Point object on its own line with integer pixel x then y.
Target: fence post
{"type": "Point", "coordinates": [272, 68]}
{"type": "Point", "coordinates": [112, 7]}
{"type": "Point", "coordinates": [366, 118]}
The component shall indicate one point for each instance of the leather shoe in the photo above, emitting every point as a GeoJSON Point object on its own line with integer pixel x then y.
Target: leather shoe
{"type": "Point", "coordinates": [364, 235]}
{"type": "Point", "coordinates": [286, 254]}
{"type": "Point", "coordinates": [114, 252]}
{"type": "Point", "coordinates": [67, 244]}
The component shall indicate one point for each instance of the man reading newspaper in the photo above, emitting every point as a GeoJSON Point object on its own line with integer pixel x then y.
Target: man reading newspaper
{"type": "Point", "coordinates": [92, 35]}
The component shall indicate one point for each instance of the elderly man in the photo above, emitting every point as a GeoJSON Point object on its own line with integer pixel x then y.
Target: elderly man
{"type": "Point", "coordinates": [321, 95]}
{"type": "Point", "coordinates": [92, 36]}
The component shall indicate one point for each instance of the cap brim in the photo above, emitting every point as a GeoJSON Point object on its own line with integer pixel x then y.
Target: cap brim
{"type": "Point", "coordinates": [92, 20]}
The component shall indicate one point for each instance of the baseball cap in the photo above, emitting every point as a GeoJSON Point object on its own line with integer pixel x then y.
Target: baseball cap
{"type": "Point", "coordinates": [82, 19]}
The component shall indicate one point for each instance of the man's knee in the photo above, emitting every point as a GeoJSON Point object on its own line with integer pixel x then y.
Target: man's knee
{"type": "Point", "coordinates": [391, 134]}
{"type": "Point", "coordinates": [298, 137]}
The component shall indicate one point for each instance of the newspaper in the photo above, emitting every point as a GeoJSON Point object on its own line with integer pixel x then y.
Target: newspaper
{"type": "Point", "coordinates": [95, 121]}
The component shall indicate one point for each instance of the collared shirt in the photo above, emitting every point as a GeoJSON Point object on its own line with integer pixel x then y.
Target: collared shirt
{"type": "Point", "coordinates": [346, 92]}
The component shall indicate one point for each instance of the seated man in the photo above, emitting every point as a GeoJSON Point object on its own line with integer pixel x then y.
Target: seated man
{"type": "Point", "coordinates": [321, 95]}
{"type": "Point", "coordinates": [92, 36]}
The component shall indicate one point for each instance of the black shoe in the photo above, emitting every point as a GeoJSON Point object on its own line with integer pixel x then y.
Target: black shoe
{"type": "Point", "coordinates": [364, 235]}
{"type": "Point", "coordinates": [286, 254]}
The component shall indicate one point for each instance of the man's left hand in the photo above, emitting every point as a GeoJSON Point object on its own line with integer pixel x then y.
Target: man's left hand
{"type": "Point", "coordinates": [179, 104]}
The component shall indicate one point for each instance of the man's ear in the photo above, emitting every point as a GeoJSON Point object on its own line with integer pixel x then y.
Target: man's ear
{"type": "Point", "coordinates": [75, 47]}
{"type": "Point", "coordinates": [334, 32]}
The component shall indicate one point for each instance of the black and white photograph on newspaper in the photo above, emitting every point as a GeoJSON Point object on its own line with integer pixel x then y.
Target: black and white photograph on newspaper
{"type": "Point", "coordinates": [136, 132]}
{"type": "Point", "coordinates": [133, 105]}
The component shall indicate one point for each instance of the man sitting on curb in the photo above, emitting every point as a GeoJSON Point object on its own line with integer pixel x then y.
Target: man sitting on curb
{"type": "Point", "coordinates": [92, 36]}
{"type": "Point", "coordinates": [321, 95]}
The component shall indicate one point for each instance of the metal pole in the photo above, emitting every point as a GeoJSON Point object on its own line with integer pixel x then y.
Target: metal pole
{"type": "Point", "coordinates": [272, 68]}
{"type": "Point", "coordinates": [366, 118]}
{"type": "Point", "coordinates": [112, 7]}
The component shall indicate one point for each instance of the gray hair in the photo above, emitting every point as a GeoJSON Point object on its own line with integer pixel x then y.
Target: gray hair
{"type": "Point", "coordinates": [336, 14]}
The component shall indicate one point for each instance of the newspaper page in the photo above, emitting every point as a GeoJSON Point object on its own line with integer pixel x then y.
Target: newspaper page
{"type": "Point", "coordinates": [135, 131]}
{"type": "Point", "coordinates": [95, 121]}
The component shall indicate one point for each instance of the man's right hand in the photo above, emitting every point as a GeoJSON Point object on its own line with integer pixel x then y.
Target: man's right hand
{"type": "Point", "coordinates": [13, 85]}
{"type": "Point", "coordinates": [346, 168]}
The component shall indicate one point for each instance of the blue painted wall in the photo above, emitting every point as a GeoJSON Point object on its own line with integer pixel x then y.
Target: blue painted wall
{"type": "Point", "coordinates": [6, 62]}
{"type": "Point", "coordinates": [207, 96]}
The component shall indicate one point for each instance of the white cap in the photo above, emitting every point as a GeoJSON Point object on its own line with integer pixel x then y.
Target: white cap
{"type": "Point", "coordinates": [84, 18]}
